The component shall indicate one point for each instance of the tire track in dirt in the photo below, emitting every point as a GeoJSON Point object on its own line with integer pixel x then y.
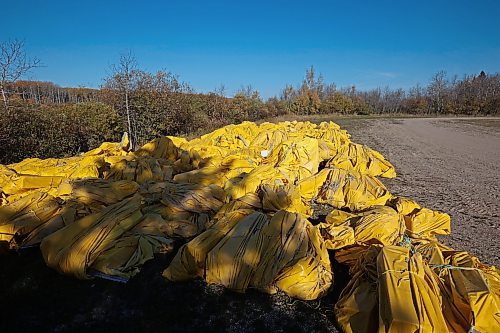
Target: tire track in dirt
{"type": "Point", "coordinates": [444, 168]}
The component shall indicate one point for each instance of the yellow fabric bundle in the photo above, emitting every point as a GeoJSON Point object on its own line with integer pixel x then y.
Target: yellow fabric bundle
{"type": "Point", "coordinates": [127, 254]}
{"type": "Point", "coordinates": [74, 248]}
{"type": "Point", "coordinates": [297, 159]}
{"type": "Point", "coordinates": [408, 294]}
{"type": "Point", "coordinates": [247, 249]}
{"type": "Point", "coordinates": [357, 307]}
{"type": "Point", "coordinates": [377, 225]}
{"type": "Point", "coordinates": [362, 159]}
{"type": "Point", "coordinates": [427, 222]}
{"type": "Point", "coordinates": [471, 292]}
{"type": "Point", "coordinates": [71, 167]}
{"type": "Point", "coordinates": [344, 189]}
{"type": "Point", "coordinates": [189, 261]}
{"type": "Point", "coordinates": [248, 183]}
{"type": "Point", "coordinates": [141, 170]}
{"type": "Point", "coordinates": [161, 148]}
{"type": "Point", "coordinates": [18, 219]}
{"type": "Point", "coordinates": [25, 183]}
{"type": "Point", "coordinates": [100, 191]}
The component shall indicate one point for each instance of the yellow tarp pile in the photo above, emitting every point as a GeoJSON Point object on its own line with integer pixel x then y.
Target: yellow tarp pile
{"type": "Point", "coordinates": [238, 200]}
{"type": "Point", "coordinates": [248, 248]}
{"type": "Point", "coordinates": [395, 288]}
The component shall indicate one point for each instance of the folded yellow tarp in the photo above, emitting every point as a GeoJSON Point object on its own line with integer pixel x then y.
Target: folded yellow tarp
{"type": "Point", "coordinates": [247, 249]}
{"type": "Point", "coordinates": [125, 256]}
{"type": "Point", "coordinates": [377, 225]}
{"type": "Point", "coordinates": [71, 167]}
{"type": "Point", "coordinates": [408, 294]}
{"type": "Point", "coordinates": [24, 183]}
{"type": "Point", "coordinates": [344, 189]}
{"type": "Point", "coordinates": [250, 182]}
{"type": "Point", "coordinates": [72, 249]}
{"type": "Point", "coordinates": [189, 261]}
{"type": "Point", "coordinates": [18, 219]}
{"type": "Point", "coordinates": [356, 310]}
{"type": "Point", "coordinates": [428, 222]}
{"type": "Point", "coordinates": [297, 159]}
{"type": "Point", "coordinates": [356, 157]}
{"type": "Point", "coordinates": [471, 291]}
{"type": "Point", "coordinates": [141, 169]}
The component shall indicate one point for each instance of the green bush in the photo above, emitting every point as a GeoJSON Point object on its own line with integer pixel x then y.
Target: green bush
{"type": "Point", "coordinates": [56, 131]}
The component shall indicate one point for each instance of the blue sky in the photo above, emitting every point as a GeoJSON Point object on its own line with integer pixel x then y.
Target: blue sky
{"type": "Point", "coordinates": [262, 43]}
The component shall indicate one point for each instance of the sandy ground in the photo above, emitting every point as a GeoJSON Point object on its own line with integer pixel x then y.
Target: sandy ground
{"type": "Point", "coordinates": [447, 164]}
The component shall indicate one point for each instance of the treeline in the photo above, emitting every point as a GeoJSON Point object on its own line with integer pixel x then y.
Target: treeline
{"type": "Point", "coordinates": [39, 92]}
{"type": "Point", "coordinates": [471, 95]}
{"type": "Point", "coordinates": [45, 120]}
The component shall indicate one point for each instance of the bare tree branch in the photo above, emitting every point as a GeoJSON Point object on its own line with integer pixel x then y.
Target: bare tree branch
{"type": "Point", "coordinates": [14, 63]}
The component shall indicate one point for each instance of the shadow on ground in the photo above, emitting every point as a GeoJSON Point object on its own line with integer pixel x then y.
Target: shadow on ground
{"type": "Point", "coordinates": [36, 298]}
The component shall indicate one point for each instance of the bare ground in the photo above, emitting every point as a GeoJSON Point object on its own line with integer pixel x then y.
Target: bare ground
{"type": "Point", "coordinates": [446, 164]}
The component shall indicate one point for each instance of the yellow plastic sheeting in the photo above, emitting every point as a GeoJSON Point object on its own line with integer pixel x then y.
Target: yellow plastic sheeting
{"type": "Point", "coordinates": [298, 159]}
{"type": "Point", "coordinates": [98, 192]}
{"type": "Point", "coordinates": [6, 174]}
{"type": "Point", "coordinates": [247, 249]}
{"type": "Point", "coordinates": [217, 175]}
{"type": "Point", "coordinates": [140, 170]}
{"type": "Point", "coordinates": [231, 136]}
{"type": "Point", "coordinates": [401, 291]}
{"type": "Point", "coordinates": [331, 132]}
{"type": "Point", "coordinates": [269, 139]}
{"type": "Point", "coordinates": [193, 198]}
{"type": "Point", "coordinates": [18, 219]}
{"type": "Point", "coordinates": [125, 256]}
{"type": "Point", "coordinates": [108, 149]}
{"type": "Point", "coordinates": [404, 206]}
{"type": "Point", "coordinates": [286, 197]}
{"type": "Point", "coordinates": [362, 159]}
{"type": "Point", "coordinates": [234, 259]}
{"type": "Point", "coordinates": [391, 290]}
{"type": "Point", "coordinates": [311, 276]}
{"type": "Point", "coordinates": [248, 183]}
{"type": "Point", "coordinates": [337, 237]}
{"type": "Point", "coordinates": [344, 189]}
{"type": "Point", "coordinates": [380, 224]}
{"type": "Point", "coordinates": [428, 222]}
{"type": "Point", "coordinates": [186, 208]}
{"type": "Point", "coordinates": [161, 148]}
{"type": "Point", "coordinates": [408, 293]}
{"type": "Point", "coordinates": [189, 262]}
{"type": "Point", "coordinates": [72, 249]}
{"type": "Point", "coordinates": [356, 310]}
{"type": "Point", "coordinates": [65, 216]}
{"type": "Point", "coordinates": [471, 292]}
{"type": "Point", "coordinates": [250, 201]}
{"type": "Point", "coordinates": [431, 251]}
{"type": "Point", "coordinates": [24, 183]}
{"type": "Point", "coordinates": [71, 167]}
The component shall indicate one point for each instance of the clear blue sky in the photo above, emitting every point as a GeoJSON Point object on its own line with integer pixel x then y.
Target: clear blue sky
{"type": "Point", "coordinates": [262, 43]}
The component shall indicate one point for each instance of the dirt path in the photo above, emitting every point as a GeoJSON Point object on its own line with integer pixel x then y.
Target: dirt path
{"type": "Point", "coordinates": [452, 165]}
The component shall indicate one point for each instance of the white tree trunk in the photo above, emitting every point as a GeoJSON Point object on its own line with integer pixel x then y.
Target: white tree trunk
{"type": "Point", "coordinates": [127, 108]}
{"type": "Point", "coordinates": [4, 96]}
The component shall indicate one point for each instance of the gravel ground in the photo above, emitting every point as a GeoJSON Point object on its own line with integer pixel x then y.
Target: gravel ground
{"type": "Point", "coordinates": [446, 164]}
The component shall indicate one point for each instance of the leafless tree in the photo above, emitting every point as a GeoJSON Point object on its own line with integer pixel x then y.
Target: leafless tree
{"type": "Point", "coordinates": [124, 79]}
{"type": "Point", "coordinates": [14, 63]}
{"type": "Point", "coordinates": [437, 90]}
